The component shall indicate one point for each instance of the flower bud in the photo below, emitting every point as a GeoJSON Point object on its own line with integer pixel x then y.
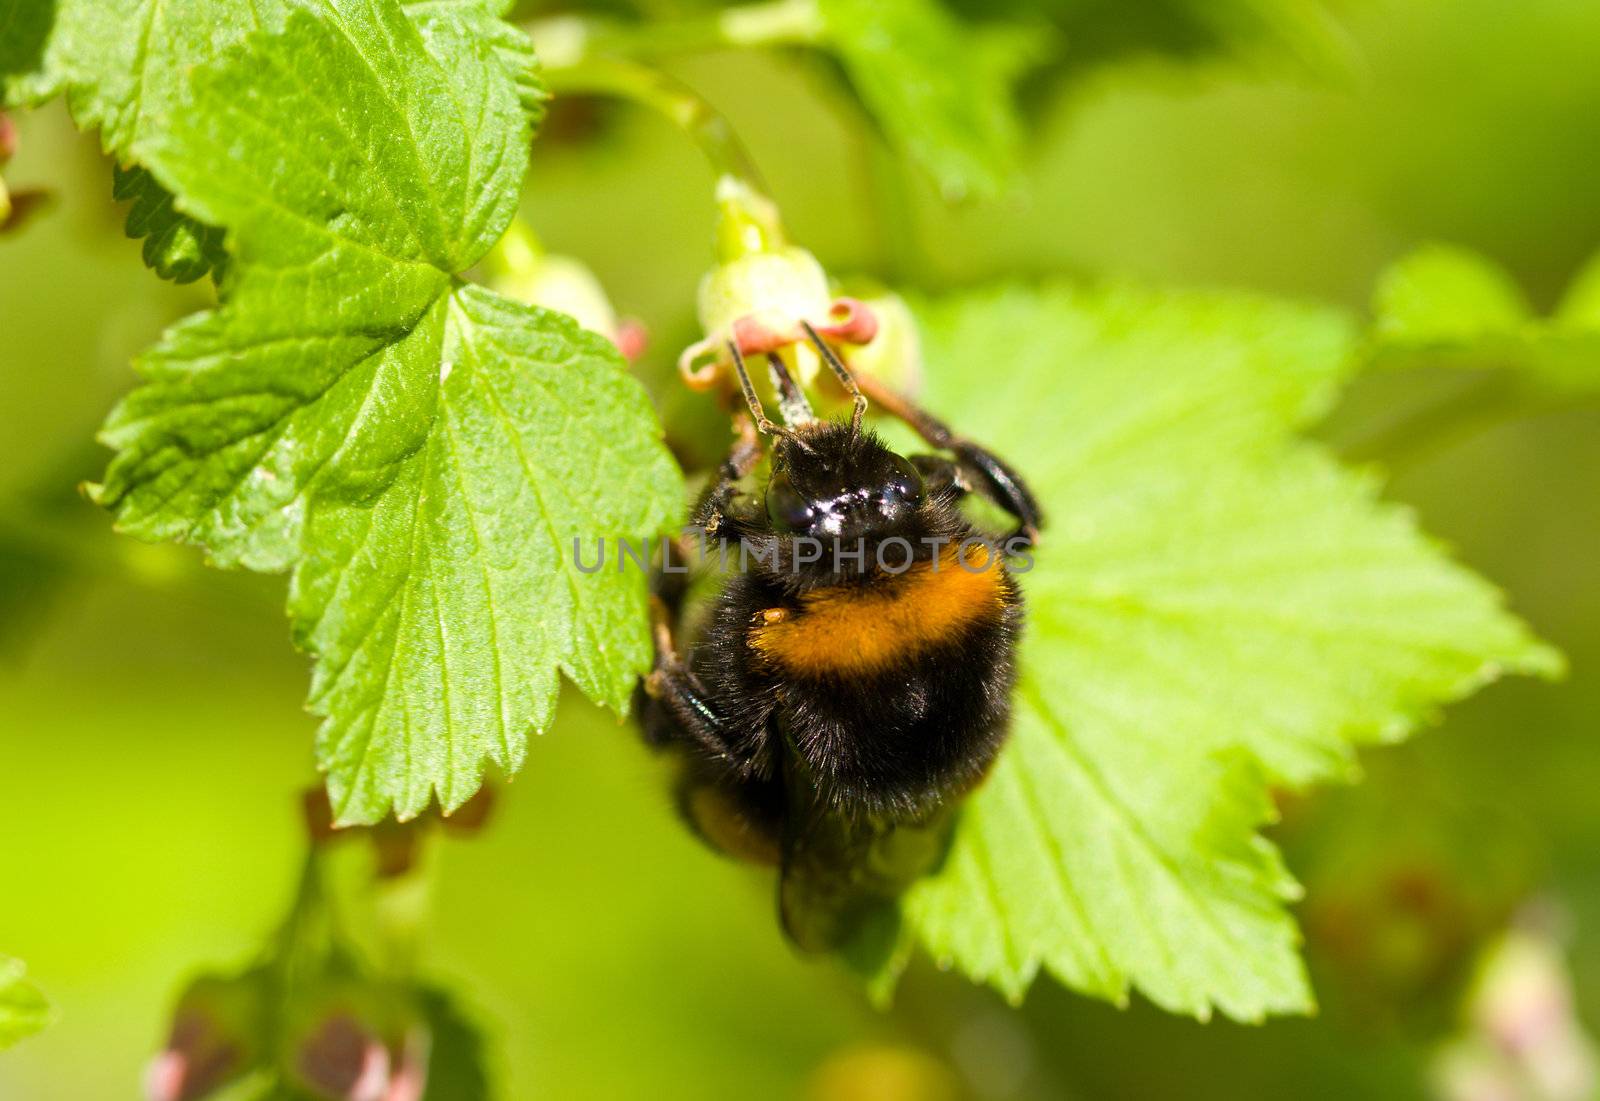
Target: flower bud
{"type": "Point", "coordinates": [355, 1042]}
{"type": "Point", "coordinates": [341, 1060]}
{"type": "Point", "coordinates": [894, 355]}
{"type": "Point", "coordinates": [758, 300]}
{"type": "Point", "coordinates": [563, 283]}
{"type": "Point", "coordinates": [1523, 1003]}
{"type": "Point", "coordinates": [761, 296]}
{"type": "Point", "coordinates": [1523, 1038]}
{"type": "Point", "coordinates": [520, 269]}
{"type": "Point", "coordinates": [764, 290]}
{"type": "Point", "coordinates": [214, 1038]}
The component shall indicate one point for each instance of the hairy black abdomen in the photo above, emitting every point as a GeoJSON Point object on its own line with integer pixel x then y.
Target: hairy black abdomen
{"type": "Point", "coordinates": [918, 733]}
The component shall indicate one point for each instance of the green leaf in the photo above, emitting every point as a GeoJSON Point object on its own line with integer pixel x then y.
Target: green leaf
{"type": "Point", "coordinates": [1215, 608]}
{"type": "Point", "coordinates": [176, 246]}
{"type": "Point", "coordinates": [418, 451]}
{"type": "Point", "coordinates": [941, 91]}
{"type": "Point", "coordinates": [23, 1010]}
{"type": "Point", "coordinates": [1443, 294]}
{"type": "Point", "coordinates": [1270, 36]}
{"type": "Point", "coordinates": [125, 63]}
{"type": "Point", "coordinates": [25, 27]}
{"type": "Point", "coordinates": [120, 61]}
{"type": "Point", "coordinates": [443, 607]}
{"type": "Point", "coordinates": [452, 25]}
{"type": "Point", "coordinates": [1443, 306]}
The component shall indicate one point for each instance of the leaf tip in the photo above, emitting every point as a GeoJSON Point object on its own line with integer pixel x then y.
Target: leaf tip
{"type": "Point", "coordinates": [95, 493]}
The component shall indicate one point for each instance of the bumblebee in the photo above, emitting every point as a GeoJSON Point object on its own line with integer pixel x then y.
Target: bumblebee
{"type": "Point", "coordinates": [852, 679]}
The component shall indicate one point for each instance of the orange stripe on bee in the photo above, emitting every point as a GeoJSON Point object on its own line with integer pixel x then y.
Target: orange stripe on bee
{"type": "Point", "coordinates": [853, 629]}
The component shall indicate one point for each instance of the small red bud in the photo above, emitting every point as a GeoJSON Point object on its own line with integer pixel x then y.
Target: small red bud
{"type": "Point", "coordinates": [632, 338]}
{"type": "Point", "coordinates": [341, 1061]}
{"type": "Point", "coordinates": [214, 1030]}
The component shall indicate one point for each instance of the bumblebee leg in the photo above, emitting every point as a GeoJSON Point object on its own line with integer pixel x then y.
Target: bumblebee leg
{"type": "Point", "coordinates": [985, 472]}
{"type": "Point", "coordinates": [669, 584]}
{"type": "Point", "coordinates": [944, 476]}
{"type": "Point", "coordinates": [677, 692]}
{"type": "Point", "coordinates": [941, 476]}
{"type": "Point", "coordinates": [734, 812]}
{"type": "Point", "coordinates": [672, 686]}
{"type": "Point", "coordinates": [731, 811]}
{"type": "Point", "coordinates": [710, 511]}
{"type": "Point", "coordinates": [670, 581]}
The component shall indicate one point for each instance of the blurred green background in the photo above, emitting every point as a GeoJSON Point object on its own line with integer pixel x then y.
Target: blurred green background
{"type": "Point", "coordinates": [151, 740]}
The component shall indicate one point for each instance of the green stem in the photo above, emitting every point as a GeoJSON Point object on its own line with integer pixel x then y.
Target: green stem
{"type": "Point", "coordinates": [680, 104]}
{"type": "Point", "coordinates": [774, 23]}
{"type": "Point", "coordinates": [602, 57]}
{"type": "Point", "coordinates": [306, 934]}
{"type": "Point", "coordinates": [400, 908]}
{"type": "Point", "coordinates": [749, 218]}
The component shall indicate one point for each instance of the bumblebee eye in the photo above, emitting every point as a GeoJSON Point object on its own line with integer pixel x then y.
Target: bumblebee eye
{"type": "Point", "coordinates": [905, 484]}
{"type": "Point", "coordinates": [786, 508]}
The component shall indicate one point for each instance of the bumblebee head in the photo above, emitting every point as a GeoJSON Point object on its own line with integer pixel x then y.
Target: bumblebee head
{"type": "Point", "coordinates": [831, 480]}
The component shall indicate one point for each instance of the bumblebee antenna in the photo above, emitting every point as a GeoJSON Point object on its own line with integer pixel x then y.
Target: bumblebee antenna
{"type": "Point", "coordinates": [841, 372]}
{"type": "Point", "coordinates": [756, 410]}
